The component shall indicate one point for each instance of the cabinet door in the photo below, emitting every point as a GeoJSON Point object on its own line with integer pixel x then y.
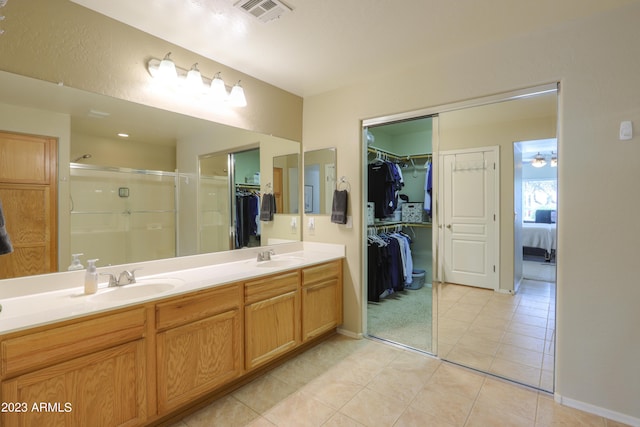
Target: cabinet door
{"type": "Point", "coordinates": [106, 388]}
{"type": "Point", "coordinates": [321, 308]}
{"type": "Point", "coordinates": [197, 357]}
{"type": "Point", "coordinates": [272, 327]}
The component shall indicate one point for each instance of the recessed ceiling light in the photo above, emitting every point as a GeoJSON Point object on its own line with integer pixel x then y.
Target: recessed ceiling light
{"type": "Point", "coordinates": [123, 135]}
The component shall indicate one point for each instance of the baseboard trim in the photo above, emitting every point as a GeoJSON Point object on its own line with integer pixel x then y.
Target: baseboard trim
{"type": "Point", "coordinates": [350, 334]}
{"type": "Point", "coordinates": [597, 410]}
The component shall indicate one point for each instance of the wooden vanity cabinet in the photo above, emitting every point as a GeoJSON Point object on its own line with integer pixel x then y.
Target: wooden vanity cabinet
{"type": "Point", "coordinates": [199, 344]}
{"type": "Point", "coordinates": [91, 372]}
{"type": "Point", "coordinates": [272, 317]}
{"type": "Point", "coordinates": [321, 298]}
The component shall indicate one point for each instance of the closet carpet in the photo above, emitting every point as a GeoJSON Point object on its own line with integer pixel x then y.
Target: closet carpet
{"type": "Point", "coordinates": [403, 317]}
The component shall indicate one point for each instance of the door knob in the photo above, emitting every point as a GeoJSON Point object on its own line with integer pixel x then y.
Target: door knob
{"type": "Point", "coordinates": [449, 226]}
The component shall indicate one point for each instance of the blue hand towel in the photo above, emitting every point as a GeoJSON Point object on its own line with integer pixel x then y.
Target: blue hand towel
{"type": "Point", "coordinates": [5, 242]}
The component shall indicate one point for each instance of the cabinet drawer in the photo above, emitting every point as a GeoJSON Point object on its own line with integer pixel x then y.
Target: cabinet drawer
{"type": "Point", "coordinates": [267, 287]}
{"type": "Point", "coordinates": [195, 307]}
{"type": "Point", "coordinates": [321, 272]}
{"type": "Point", "coordinates": [44, 348]}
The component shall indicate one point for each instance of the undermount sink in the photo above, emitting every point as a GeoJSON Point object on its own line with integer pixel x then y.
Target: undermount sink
{"type": "Point", "coordinates": [128, 292]}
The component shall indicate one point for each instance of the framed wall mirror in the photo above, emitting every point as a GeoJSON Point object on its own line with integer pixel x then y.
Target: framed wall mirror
{"type": "Point", "coordinates": [319, 180]}
{"type": "Point", "coordinates": [124, 198]}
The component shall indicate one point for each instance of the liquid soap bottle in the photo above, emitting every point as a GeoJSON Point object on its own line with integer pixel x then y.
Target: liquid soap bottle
{"type": "Point", "coordinates": [76, 264]}
{"type": "Point", "coordinates": [91, 278]}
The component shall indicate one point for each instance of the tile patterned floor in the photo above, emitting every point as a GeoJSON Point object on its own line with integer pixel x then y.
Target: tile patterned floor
{"type": "Point", "coordinates": [345, 382]}
{"type": "Point", "coordinates": [508, 335]}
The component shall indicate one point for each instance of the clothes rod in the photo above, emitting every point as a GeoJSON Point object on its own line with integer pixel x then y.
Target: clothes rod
{"type": "Point", "coordinates": [388, 154]}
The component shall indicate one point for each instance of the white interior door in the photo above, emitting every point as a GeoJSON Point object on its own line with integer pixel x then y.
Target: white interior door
{"type": "Point", "coordinates": [470, 217]}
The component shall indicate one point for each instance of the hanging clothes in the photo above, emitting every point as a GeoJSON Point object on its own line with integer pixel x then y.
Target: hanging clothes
{"type": "Point", "coordinates": [427, 188]}
{"type": "Point", "coordinates": [385, 182]}
{"type": "Point", "coordinates": [246, 217]}
{"type": "Point", "coordinates": [389, 264]}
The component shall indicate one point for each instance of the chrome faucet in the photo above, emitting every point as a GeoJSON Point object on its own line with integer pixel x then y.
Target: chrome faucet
{"type": "Point", "coordinates": [127, 277]}
{"type": "Point", "coordinates": [266, 255]}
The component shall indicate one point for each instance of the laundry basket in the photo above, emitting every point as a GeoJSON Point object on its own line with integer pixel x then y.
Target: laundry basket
{"type": "Point", "coordinates": [418, 280]}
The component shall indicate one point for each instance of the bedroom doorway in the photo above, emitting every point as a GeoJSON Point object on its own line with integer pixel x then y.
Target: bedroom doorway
{"type": "Point", "coordinates": [508, 332]}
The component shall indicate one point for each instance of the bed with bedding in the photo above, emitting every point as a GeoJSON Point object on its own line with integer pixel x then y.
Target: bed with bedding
{"type": "Point", "coordinates": [539, 238]}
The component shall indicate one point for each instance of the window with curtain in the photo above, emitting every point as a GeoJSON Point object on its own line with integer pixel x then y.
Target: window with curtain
{"type": "Point", "coordinates": [538, 194]}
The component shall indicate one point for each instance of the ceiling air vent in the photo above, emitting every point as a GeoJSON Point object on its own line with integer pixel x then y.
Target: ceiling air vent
{"type": "Point", "coordinates": [264, 10]}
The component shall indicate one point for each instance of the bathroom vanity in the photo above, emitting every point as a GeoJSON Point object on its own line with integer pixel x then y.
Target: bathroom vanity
{"type": "Point", "coordinates": [137, 354]}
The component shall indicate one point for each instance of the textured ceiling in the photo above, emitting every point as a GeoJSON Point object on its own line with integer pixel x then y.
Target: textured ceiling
{"type": "Point", "coordinates": [326, 44]}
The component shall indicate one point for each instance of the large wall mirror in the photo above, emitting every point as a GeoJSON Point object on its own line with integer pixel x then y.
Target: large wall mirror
{"type": "Point", "coordinates": [319, 181]}
{"type": "Point", "coordinates": [120, 198]}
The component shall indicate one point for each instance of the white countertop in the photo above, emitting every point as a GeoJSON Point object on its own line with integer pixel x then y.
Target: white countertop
{"type": "Point", "coordinates": [40, 300]}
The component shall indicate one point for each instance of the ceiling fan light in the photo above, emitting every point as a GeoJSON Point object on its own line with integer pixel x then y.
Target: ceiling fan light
{"type": "Point", "coordinates": [538, 161]}
{"type": "Point", "coordinates": [236, 97]}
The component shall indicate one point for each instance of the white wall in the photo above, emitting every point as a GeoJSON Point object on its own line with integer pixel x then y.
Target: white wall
{"type": "Point", "coordinates": [598, 343]}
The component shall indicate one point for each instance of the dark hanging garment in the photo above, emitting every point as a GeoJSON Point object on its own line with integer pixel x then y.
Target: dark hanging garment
{"type": "Point", "coordinates": [339, 207]}
{"type": "Point", "coordinates": [5, 242]}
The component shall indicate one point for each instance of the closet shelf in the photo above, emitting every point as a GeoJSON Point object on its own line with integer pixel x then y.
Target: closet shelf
{"type": "Point", "coordinates": [396, 223]}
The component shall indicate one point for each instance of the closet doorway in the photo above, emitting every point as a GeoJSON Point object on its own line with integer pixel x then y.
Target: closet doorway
{"type": "Point", "coordinates": [399, 234]}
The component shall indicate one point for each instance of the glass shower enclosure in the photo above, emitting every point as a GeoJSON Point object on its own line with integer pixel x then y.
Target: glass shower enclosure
{"type": "Point", "coordinates": [121, 215]}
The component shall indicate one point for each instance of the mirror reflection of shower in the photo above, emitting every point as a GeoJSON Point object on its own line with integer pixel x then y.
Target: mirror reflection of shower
{"type": "Point", "coordinates": [83, 157]}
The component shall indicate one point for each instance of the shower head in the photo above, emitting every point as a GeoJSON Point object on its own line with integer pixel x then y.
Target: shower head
{"type": "Point", "coordinates": [84, 156]}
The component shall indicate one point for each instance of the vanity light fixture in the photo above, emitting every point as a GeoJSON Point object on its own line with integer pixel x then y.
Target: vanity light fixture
{"type": "Point", "coordinates": [166, 70]}
{"type": "Point", "coordinates": [538, 161]}
{"type": "Point", "coordinates": [218, 88]}
{"type": "Point", "coordinates": [192, 82]}
{"type": "Point", "coordinates": [554, 160]}
{"type": "Point", "coordinates": [236, 97]}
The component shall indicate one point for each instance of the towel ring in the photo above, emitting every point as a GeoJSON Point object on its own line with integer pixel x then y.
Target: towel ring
{"type": "Point", "coordinates": [343, 183]}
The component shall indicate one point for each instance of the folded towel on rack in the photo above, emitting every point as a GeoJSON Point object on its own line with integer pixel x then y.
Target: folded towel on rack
{"type": "Point", "coordinates": [268, 207]}
{"type": "Point", "coordinates": [5, 243]}
{"type": "Point", "coordinates": [339, 207]}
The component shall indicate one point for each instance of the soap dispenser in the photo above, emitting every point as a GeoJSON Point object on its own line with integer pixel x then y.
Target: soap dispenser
{"type": "Point", "coordinates": [76, 264]}
{"type": "Point", "coordinates": [91, 278]}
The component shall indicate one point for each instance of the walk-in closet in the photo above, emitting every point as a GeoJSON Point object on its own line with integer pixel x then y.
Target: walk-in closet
{"type": "Point", "coordinates": [399, 235]}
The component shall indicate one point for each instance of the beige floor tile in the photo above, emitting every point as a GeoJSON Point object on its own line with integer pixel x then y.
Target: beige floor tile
{"type": "Point", "coordinates": [483, 416]}
{"type": "Point", "coordinates": [523, 341]}
{"type": "Point", "coordinates": [516, 372]}
{"type": "Point", "coordinates": [374, 409]}
{"type": "Point", "coordinates": [486, 333]}
{"type": "Point", "coordinates": [491, 322]}
{"type": "Point", "coordinates": [468, 356]}
{"type": "Point", "coordinates": [260, 422]}
{"type": "Point", "coordinates": [412, 417]}
{"type": "Point", "coordinates": [454, 379]}
{"type": "Point", "coordinates": [528, 330]}
{"type": "Point", "coordinates": [479, 343]}
{"type": "Point", "coordinates": [300, 410]}
{"type": "Point", "coordinates": [227, 412]}
{"type": "Point", "coordinates": [520, 355]}
{"type": "Point", "coordinates": [530, 320]}
{"type": "Point", "coordinates": [502, 397]}
{"type": "Point", "coordinates": [341, 420]}
{"type": "Point", "coordinates": [550, 413]}
{"type": "Point", "coordinates": [332, 389]}
{"type": "Point", "coordinates": [452, 408]}
{"type": "Point", "coordinates": [264, 393]}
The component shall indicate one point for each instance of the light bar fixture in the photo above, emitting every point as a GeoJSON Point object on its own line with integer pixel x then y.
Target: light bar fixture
{"type": "Point", "coordinates": [192, 82]}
